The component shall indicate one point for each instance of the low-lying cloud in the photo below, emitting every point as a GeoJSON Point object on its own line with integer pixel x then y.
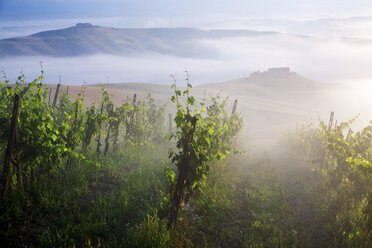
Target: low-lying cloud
{"type": "Point", "coordinates": [329, 60]}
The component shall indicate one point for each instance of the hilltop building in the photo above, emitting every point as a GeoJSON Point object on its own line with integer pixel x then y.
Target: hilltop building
{"type": "Point", "coordinates": [273, 72]}
{"type": "Point", "coordinates": [84, 25]}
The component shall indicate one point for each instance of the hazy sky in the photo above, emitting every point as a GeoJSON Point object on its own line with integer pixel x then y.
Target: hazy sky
{"type": "Point", "coordinates": [11, 10]}
{"type": "Point", "coordinates": [25, 17]}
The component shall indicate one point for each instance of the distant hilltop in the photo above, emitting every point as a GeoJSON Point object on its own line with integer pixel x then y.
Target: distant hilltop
{"type": "Point", "coordinates": [273, 72]}
{"type": "Point", "coordinates": [88, 39]}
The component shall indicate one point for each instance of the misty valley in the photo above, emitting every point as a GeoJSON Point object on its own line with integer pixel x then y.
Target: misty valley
{"type": "Point", "coordinates": [258, 138]}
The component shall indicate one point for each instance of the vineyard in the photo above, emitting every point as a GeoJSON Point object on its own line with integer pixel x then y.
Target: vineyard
{"type": "Point", "coordinates": [142, 174]}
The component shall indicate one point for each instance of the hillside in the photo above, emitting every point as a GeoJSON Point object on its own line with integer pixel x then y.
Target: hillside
{"type": "Point", "coordinates": [86, 39]}
{"type": "Point", "coordinates": [271, 103]}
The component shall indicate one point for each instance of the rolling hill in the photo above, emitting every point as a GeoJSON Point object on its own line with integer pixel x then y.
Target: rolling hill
{"type": "Point", "coordinates": [87, 39]}
{"type": "Point", "coordinates": [271, 103]}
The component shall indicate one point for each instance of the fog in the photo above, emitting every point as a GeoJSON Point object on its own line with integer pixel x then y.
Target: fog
{"type": "Point", "coordinates": [327, 60]}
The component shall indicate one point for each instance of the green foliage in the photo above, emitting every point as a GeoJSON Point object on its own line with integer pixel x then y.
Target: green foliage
{"type": "Point", "coordinates": [202, 136]}
{"type": "Point", "coordinates": [328, 173]}
{"type": "Point", "coordinates": [49, 137]}
{"type": "Point", "coordinates": [91, 126]}
{"type": "Point", "coordinates": [346, 167]}
{"type": "Point", "coordinates": [313, 190]}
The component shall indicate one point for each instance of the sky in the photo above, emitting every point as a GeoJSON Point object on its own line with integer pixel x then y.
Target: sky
{"type": "Point", "coordinates": [25, 17]}
{"type": "Point", "coordinates": [168, 10]}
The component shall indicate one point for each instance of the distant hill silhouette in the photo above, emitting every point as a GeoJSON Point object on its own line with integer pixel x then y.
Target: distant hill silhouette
{"type": "Point", "coordinates": [87, 39]}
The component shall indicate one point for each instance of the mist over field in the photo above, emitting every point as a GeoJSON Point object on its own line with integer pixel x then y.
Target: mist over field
{"type": "Point", "coordinates": [333, 49]}
{"type": "Point", "coordinates": [321, 59]}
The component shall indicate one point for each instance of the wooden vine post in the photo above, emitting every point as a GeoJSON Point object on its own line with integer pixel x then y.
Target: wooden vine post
{"type": "Point", "coordinates": [50, 94]}
{"type": "Point", "coordinates": [56, 95]}
{"type": "Point", "coordinates": [330, 125]}
{"type": "Point", "coordinates": [10, 147]}
{"type": "Point", "coordinates": [98, 150]}
{"type": "Point", "coordinates": [234, 107]}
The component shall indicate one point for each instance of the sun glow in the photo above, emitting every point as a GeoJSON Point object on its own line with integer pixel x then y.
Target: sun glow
{"type": "Point", "coordinates": [363, 94]}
